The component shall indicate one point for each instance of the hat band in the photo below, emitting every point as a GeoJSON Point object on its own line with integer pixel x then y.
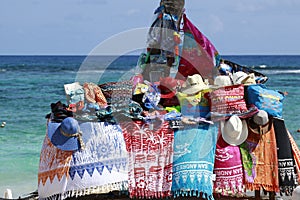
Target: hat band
{"type": "Point", "coordinates": [78, 135]}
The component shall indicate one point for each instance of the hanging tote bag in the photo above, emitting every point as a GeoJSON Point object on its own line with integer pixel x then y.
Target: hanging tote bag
{"type": "Point", "coordinates": [265, 99]}
{"type": "Point", "coordinates": [228, 100]}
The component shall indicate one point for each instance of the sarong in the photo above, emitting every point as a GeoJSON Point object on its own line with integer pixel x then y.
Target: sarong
{"type": "Point", "coordinates": [286, 162]}
{"type": "Point", "coordinates": [228, 169]}
{"type": "Point", "coordinates": [54, 167]}
{"type": "Point", "coordinates": [296, 154]}
{"type": "Point", "coordinates": [194, 155]}
{"type": "Point", "coordinates": [259, 157]}
{"type": "Point", "coordinates": [150, 147]}
{"type": "Point", "coordinates": [101, 167]}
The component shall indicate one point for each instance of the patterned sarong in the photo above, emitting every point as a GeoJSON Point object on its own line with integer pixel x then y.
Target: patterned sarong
{"type": "Point", "coordinates": [259, 157]}
{"type": "Point", "coordinates": [228, 169]}
{"type": "Point", "coordinates": [296, 154]}
{"type": "Point", "coordinates": [150, 148]}
{"type": "Point", "coordinates": [53, 167]}
{"type": "Point", "coordinates": [100, 168]}
{"type": "Point", "coordinates": [194, 155]}
{"type": "Point", "coordinates": [286, 162]}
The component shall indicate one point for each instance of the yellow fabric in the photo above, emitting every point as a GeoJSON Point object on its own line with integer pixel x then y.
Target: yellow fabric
{"type": "Point", "coordinates": [140, 88]}
{"type": "Point", "coordinates": [192, 99]}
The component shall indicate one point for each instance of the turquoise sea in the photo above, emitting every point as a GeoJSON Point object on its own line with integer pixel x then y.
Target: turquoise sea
{"type": "Point", "coordinates": [29, 84]}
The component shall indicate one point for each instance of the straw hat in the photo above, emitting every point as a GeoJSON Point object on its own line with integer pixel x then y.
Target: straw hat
{"type": "Point", "coordinates": [261, 118]}
{"type": "Point", "coordinates": [234, 130]}
{"type": "Point", "coordinates": [222, 80]}
{"type": "Point", "coordinates": [249, 80]}
{"type": "Point", "coordinates": [243, 78]}
{"type": "Point", "coordinates": [194, 84]}
{"type": "Point", "coordinates": [66, 135]}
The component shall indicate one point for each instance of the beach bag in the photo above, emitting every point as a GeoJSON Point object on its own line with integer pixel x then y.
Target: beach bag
{"type": "Point", "coordinates": [228, 100]}
{"type": "Point", "coordinates": [265, 99]}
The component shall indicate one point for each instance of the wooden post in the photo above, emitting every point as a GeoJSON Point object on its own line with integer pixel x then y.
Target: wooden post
{"type": "Point", "coordinates": [257, 194]}
{"type": "Point", "coordinates": [271, 195]}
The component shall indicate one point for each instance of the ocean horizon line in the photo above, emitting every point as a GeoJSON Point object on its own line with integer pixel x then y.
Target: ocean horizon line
{"type": "Point", "coordinates": [130, 55]}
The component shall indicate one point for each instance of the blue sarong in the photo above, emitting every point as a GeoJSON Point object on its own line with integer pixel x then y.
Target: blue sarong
{"type": "Point", "coordinates": [194, 155]}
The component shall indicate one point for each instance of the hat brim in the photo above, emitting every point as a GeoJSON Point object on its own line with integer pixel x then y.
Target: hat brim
{"type": "Point", "coordinates": [232, 141]}
{"type": "Point", "coordinates": [59, 140]}
{"type": "Point", "coordinates": [194, 89]}
{"type": "Point", "coordinates": [168, 95]}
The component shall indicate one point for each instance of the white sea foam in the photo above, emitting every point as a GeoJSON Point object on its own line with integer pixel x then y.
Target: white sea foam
{"type": "Point", "coordinates": [296, 71]}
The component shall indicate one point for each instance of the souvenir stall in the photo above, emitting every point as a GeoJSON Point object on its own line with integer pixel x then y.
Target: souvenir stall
{"type": "Point", "coordinates": [212, 130]}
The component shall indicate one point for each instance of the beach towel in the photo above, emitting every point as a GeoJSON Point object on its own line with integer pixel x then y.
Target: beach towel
{"type": "Point", "coordinates": [101, 167]}
{"type": "Point", "coordinates": [194, 155]}
{"type": "Point", "coordinates": [286, 162]}
{"type": "Point", "coordinates": [150, 147]}
{"type": "Point", "coordinates": [228, 169]}
{"type": "Point", "coordinates": [259, 157]}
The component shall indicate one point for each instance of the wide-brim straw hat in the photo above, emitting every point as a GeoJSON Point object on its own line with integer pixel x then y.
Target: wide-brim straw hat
{"type": "Point", "coordinates": [66, 135]}
{"type": "Point", "coordinates": [234, 130]}
{"type": "Point", "coordinates": [243, 78]}
{"type": "Point", "coordinates": [194, 84]}
{"type": "Point", "coordinates": [221, 81]}
{"type": "Point", "coordinates": [249, 80]}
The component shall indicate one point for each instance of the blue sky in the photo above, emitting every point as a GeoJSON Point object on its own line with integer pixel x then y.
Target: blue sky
{"type": "Point", "coordinates": [75, 27]}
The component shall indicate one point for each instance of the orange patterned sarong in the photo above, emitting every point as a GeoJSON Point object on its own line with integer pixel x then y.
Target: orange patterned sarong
{"type": "Point", "coordinates": [259, 156]}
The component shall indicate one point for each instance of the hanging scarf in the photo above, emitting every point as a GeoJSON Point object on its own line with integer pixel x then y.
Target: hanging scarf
{"type": "Point", "coordinates": [259, 156]}
{"type": "Point", "coordinates": [228, 169]}
{"type": "Point", "coordinates": [286, 162]}
{"type": "Point", "coordinates": [150, 147]}
{"type": "Point", "coordinates": [199, 56]}
{"type": "Point", "coordinates": [194, 154]}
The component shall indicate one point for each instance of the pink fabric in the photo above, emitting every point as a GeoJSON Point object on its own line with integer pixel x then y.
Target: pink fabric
{"type": "Point", "coordinates": [200, 38]}
{"type": "Point", "coordinates": [198, 53]}
{"type": "Point", "coordinates": [150, 148]}
{"type": "Point", "coordinates": [228, 169]}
